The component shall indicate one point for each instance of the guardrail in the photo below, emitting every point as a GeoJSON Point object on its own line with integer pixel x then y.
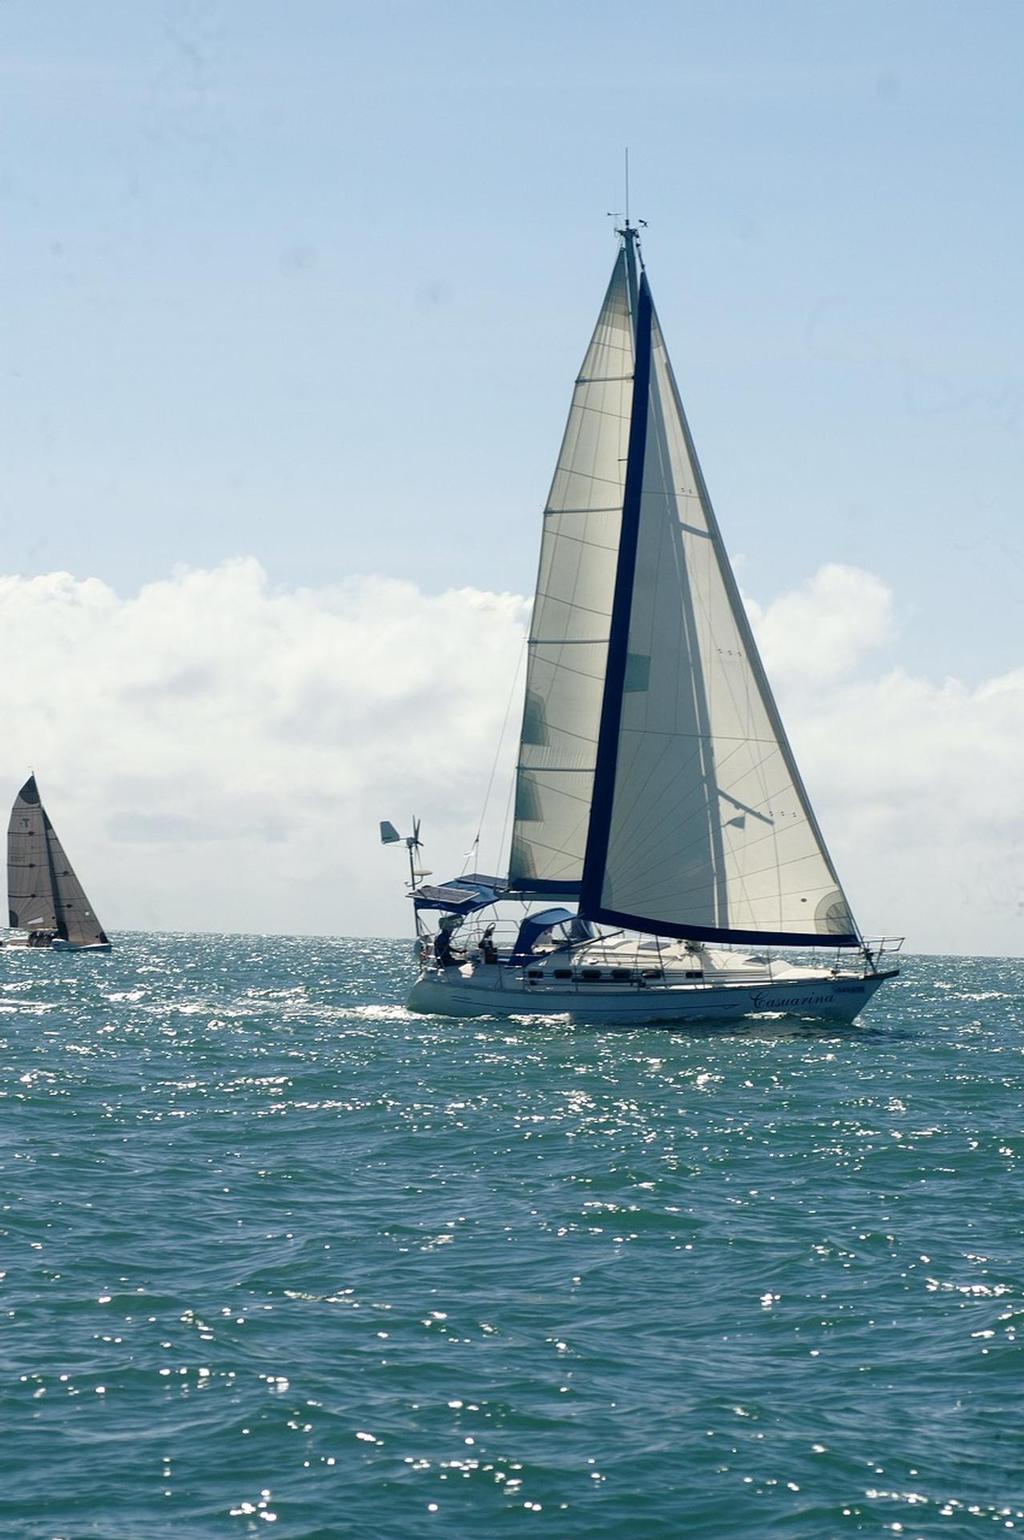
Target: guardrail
{"type": "Point", "coordinates": [878, 946]}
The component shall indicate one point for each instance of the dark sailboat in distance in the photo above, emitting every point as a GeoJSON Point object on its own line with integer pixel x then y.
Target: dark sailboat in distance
{"type": "Point", "coordinates": [45, 897]}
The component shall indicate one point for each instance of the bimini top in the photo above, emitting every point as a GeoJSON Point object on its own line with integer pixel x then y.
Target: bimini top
{"type": "Point", "coordinates": [535, 926]}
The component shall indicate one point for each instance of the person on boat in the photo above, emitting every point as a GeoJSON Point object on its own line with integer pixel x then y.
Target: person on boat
{"type": "Point", "coordinates": [443, 951]}
{"type": "Point", "coordinates": [488, 950]}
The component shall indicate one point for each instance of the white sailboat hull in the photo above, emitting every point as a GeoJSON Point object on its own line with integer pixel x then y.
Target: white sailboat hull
{"type": "Point", "coordinates": [499, 992]}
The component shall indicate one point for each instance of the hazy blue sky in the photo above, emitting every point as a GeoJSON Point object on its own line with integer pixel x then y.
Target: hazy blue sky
{"type": "Point", "coordinates": [309, 283]}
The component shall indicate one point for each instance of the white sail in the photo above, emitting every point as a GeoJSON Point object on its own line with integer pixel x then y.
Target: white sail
{"type": "Point", "coordinates": [568, 642]}
{"type": "Point", "coordinates": [701, 825]}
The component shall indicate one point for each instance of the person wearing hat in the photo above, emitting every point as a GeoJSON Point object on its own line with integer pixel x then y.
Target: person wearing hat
{"type": "Point", "coordinates": [443, 941]}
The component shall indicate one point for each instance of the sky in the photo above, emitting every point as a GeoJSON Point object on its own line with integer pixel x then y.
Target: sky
{"type": "Point", "coordinates": [294, 297]}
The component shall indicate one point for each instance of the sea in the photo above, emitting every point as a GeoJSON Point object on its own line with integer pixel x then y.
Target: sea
{"type": "Point", "coordinates": [279, 1258]}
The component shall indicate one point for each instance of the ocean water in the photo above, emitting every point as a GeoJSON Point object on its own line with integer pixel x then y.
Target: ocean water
{"type": "Point", "coordinates": [279, 1258]}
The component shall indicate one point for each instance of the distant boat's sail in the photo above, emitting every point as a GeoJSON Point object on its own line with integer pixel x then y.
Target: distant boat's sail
{"type": "Point", "coordinates": [568, 643]}
{"type": "Point", "coordinates": [76, 921]}
{"type": "Point", "coordinates": [30, 892]}
{"type": "Point", "coordinates": [654, 764]}
{"type": "Point", "coordinates": [43, 891]}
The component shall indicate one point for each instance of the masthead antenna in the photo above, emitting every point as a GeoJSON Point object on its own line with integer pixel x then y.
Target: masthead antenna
{"type": "Point", "coordinates": [629, 232]}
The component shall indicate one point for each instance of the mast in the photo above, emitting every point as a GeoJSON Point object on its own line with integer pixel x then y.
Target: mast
{"type": "Point", "coordinates": [618, 638]}
{"type": "Point", "coordinates": [631, 250]}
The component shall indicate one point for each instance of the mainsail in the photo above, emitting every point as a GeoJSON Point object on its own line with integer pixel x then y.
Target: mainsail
{"type": "Point", "coordinates": [44, 894]}
{"type": "Point", "coordinates": [656, 773]}
{"type": "Point", "coordinates": [568, 645]}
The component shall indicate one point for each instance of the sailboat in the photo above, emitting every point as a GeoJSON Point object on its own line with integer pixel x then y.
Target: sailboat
{"type": "Point", "coordinates": [656, 791]}
{"type": "Point", "coordinates": [45, 897]}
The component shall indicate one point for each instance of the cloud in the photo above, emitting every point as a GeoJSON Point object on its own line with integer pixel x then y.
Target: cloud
{"type": "Point", "coordinates": [918, 784]}
{"type": "Point", "coordinates": [823, 630]}
{"type": "Point", "coordinates": [216, 752]}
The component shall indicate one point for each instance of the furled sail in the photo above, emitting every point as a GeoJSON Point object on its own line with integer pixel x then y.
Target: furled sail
{"type": "Point", "coordinates": [44, 892]}
{"type": "Point", "coordinates": [568, 642]}
{"type": "Point", "coordinates": [700, 826]}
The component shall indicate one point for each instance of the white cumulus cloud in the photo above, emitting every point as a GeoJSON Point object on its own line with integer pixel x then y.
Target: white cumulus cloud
{"type": "Point", "coordinates": [823, 629]}
{"type": "Point", "coordinates": [216, 752]}
{"type": "Point", "coordinates": [918, 783]}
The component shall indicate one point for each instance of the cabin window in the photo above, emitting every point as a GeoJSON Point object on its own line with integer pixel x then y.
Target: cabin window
{"type": "Point", "coordinates": [693, 973]}
{"type": "Point", "coordinates": [651, 973]}
{"type": "Point", "coordinates": [621, 973]}
{"type": "Point", "coordinates": [563, 973]}
{"type": "Point", "coordinates": [589, 974]}
{"type": "Point", "coordinates": [533, 975]}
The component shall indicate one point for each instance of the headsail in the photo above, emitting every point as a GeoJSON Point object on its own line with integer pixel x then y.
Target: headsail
{"type": "Point", "coordinates": [76, 921]}
{"type": "Point", "coordinates": [701, 826]}
{"type": "Point", "coordinates": [568, 643]}
{"type": "Point", "coordinates": [655, 780]}
{"type": "Point", "coordinates": [44, 892]}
